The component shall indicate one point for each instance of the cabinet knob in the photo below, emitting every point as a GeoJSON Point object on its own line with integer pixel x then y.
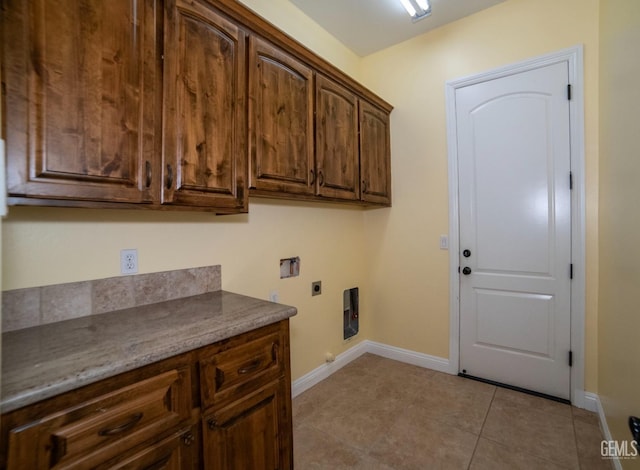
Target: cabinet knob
{"type": "Point", "coordinates": [169, 176]}
{"type": "Point", "coordinates": [188, 438]}
{"type": "Point", "coordinates": [212, 423]}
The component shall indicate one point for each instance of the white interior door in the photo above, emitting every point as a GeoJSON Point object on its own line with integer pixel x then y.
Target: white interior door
{"type": "Point", "coordinates": [515, 221]}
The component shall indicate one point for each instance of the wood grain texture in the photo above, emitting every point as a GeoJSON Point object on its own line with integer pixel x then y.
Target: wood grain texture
{"type": "Point", "coordinates": [280, 120]}
{"type": "Point", "coordinates": [245, 434]}
{"type": "Point", "coordinates": [337, 157]}
{"type": "Point", "coordinates": [85, 433]}
{"type": "Point", "coordinates": [204, 102]}
{"type": "Point", "coordinates": [75, 78]}
{"type": "Point", "coordinates": [151, 417]}
{"type": "Point", "coordinates": [375, 159]}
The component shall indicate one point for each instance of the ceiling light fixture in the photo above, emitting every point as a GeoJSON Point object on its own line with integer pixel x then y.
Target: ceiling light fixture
{"type": "Point", "coordinates": [418, 9]}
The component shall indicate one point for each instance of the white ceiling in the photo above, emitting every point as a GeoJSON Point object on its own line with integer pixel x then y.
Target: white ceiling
{"type": "Point", "coordinates": [367, 26]}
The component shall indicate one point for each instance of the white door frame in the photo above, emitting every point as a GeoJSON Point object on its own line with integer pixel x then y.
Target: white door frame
{"type": "Point", "coordinates": [574, 57]}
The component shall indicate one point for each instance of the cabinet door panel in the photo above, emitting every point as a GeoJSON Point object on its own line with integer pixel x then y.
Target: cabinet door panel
{"type": "Point", "coordinates": [244, 434]}
{"type": "Point", "coordinates": [375, 160]}
{"type": "Point", "coordinates": [280, 120]}
{"type": "Point", "coordinates": [205, 127]}
{"type": "Point", "coordinates": [81, 119]}
{"type": "Point", "coordinates": [336, 140]}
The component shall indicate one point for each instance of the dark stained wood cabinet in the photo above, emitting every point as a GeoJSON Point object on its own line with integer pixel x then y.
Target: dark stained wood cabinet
{"type": "Point", "coordinates": [245, 434]}
{"type": "Point", "coordinates": [80, 107]}
{"type": "Point", "coordinates": [179, 104]}
{"type": "Point", "coordinates": [280, 120]}
{"type": "Point", "coordinates": [337, 155]}
{"type": "Point", "coordinates": [224, 406]}
{"type": "Point", "coordinates": [375, 161]}
{"type": "Point", "coordinates": [204, 108]}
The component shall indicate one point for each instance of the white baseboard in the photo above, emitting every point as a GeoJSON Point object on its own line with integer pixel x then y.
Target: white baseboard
{"type": "Point", "coordinates": [391, 352]}
{"type": "Point", "coordinates": [410, 357]}
{"type": "Point", "coordinates": [325, 370]}
{"type": "Point", "coordinates": [603, 423]}
{"type": "Point", "coordinates": [590, 402]}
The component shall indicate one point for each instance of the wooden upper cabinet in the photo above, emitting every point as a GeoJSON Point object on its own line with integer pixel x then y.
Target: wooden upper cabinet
{"type": "Point", "coordinates": [204, 109]}
{"type": "Point", "coordinates": [337, 158]}
{"type": "Point", "coordinates": [280, 120]}
{"type": "Point", "coordinates": [80, 105]}
{"type": "Point", "coordinates": [375, 161]}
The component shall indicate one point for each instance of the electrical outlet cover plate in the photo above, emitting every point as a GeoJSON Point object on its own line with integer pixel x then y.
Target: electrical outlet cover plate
{"type": "Point", "coordinates": [316, 288]}
{"type": "Point", "coordinates": [129, 261]}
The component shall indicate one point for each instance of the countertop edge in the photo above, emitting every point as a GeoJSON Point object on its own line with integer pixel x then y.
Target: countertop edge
{"type": "Point", "coordinates": [94, 374]}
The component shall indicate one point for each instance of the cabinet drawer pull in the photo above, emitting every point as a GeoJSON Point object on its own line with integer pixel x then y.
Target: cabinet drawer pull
{"type": "Point", "coordinates": [169, 176]}
{"type": "Point", "coordinates": [123, 427]}
{"type": "Point", "coordinates": [321, 178]}
{"type": "Point", "coordinates": [364, 186]}
{"type": "Point", "coordinates": [250, 368]}
{"type": "Point", "coordinates": [160, 464]}
{"type": "Point", "coordinates": [148, 173]}
{"type": "Point", "coordinates": [212, 423]}
{"type": "Point", "coordinates": [313, 177]}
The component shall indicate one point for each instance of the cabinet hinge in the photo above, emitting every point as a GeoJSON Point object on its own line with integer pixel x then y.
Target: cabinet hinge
{"type": "Point", "coordinates": [569, 91]}
{"type": "Point", "coordinates": [570, 358]}
{"type": "Point", "coordinates": [571, 271]}
{"type": "Point", "coordinates": [570, 180]}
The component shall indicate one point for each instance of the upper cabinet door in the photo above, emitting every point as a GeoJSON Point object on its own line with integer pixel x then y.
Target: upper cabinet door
{"type": "Point", "coordinates": [337, 159]}
{"type": "Point", "coordinates": [80, 106]}
{"type": "Point", "coordinates": [204, 102]}
{"type": "Point", "coordinates": [375, 155]}
{"type": "Point", "coordinates": [280, 121]}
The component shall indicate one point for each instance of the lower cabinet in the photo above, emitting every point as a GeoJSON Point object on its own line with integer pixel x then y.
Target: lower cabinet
{"type": "Point", "coordinates": [168, 415]}
{"type": "Point", "coordinates": [244, 434]}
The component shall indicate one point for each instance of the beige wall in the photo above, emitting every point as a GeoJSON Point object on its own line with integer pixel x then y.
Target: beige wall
{"type": "Point", "coordinates": [392, 254]}
{"type": "Point", "coordinates": [412, 310]}
{"type": "Point", "coordinates": [43, 246]}
{"type": "Point", "coordinates": [619, 317]}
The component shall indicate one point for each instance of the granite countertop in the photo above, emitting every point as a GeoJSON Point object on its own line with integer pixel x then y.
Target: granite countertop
{"type": "Point", "coordinates": [44, 361]}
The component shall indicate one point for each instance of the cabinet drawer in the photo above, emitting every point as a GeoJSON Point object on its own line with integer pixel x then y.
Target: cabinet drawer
{"type": "Point", "coordinates": [97, 430]}
{"type": "Point", "coordinates": [176, 452]}
{"type": "Point", "coordinates": [245, 366]}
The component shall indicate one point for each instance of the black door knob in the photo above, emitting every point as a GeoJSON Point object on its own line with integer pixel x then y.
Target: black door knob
{"type": "Point", "coordinates": [466, 253]}
{"type": "Point", "coordinates": [466, 271]}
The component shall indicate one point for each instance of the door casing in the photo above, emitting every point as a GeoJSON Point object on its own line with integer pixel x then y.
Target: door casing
{"type": "Point", "coordinates": [574, 57]}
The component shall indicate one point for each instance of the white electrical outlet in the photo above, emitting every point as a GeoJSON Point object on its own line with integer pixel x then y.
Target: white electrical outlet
{"type": "Point", "coordinates": [128, 261]}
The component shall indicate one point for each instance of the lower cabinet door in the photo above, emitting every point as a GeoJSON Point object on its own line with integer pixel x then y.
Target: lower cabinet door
{"type": "Point", "coordinates": [244, 435]}
{"type": "Point", "coordinates": [176, 452]}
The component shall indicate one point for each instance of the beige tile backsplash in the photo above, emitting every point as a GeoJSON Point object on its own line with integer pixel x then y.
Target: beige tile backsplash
{"type": "Point", "coordinates": [24, 308]}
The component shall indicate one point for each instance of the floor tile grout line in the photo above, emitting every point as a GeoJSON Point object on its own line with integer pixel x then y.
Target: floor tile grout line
{"type": "Point", "coordinates": [486, 415]}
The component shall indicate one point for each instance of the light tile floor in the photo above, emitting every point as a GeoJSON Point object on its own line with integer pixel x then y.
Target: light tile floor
{"type": "Point", "coordinates": [376, 413]}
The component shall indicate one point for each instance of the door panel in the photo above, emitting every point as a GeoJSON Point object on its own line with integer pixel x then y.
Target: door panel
{"type": "Point", "coordinates": [205, 128]}
{"type": "Point", "coordinates": [82, 116]}
{"type": "Point", "coordinates": [337, 140]}
{"type": "Point", "coordinates": [514, 164]}
{"type": "Point", "coordinates": [375, 161]}
{"type": "Point", "coordinates": [280, 120]}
